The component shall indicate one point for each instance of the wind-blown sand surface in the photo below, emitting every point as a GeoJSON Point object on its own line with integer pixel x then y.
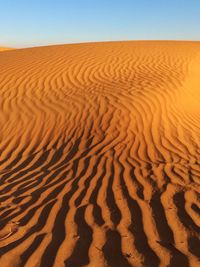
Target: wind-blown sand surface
{"type": "Point", "coordinates": [99, 155]}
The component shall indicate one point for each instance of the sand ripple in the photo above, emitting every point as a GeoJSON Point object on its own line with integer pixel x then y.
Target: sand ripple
{"type": "Point", "coordinates": [100, 155]}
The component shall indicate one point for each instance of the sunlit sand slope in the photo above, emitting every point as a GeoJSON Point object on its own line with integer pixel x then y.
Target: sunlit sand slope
{"type": "Point", "coordinates": [5, 48]}
{"type": "Point", "coordinates": [100, 154]}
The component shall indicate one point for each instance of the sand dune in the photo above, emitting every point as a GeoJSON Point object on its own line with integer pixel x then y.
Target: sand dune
{"type": "Point", "coordinates": [5, 48]}
{"type": "Point", "coordinates": [100, 154]}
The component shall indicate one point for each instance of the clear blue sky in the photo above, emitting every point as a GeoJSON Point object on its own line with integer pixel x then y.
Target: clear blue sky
{"type": "Point", "coordinates": [40, 22]}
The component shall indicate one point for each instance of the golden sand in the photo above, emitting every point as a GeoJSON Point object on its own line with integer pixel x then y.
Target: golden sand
{"type": "Point", "coordinates": [99, 155]}
{"type": "Point", "coordinates": [5, 48]}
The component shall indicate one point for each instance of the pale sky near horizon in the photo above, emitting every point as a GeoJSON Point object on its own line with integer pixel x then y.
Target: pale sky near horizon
{"type": "Point", "coordinates": [42, 22]}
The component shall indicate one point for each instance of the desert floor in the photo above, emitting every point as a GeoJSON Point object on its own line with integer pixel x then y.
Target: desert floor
{"type": "Point", "coordinates": [100, 155]}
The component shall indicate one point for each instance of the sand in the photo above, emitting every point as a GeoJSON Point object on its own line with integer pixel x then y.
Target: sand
{"type": "Point", "coordinates": [99, 155]}
{"type": "Point", "coordinates": [5, 48]}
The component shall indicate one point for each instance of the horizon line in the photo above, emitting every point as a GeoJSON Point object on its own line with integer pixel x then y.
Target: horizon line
{"type": "Point", "coordinates": [102, 41]}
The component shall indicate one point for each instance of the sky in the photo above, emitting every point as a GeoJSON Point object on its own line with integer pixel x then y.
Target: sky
{"type": "Point", "coordinates": [25, 23]}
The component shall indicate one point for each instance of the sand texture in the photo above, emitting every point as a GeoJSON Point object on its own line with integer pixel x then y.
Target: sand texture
{"type": "Point", "coordinates": [100, 154]}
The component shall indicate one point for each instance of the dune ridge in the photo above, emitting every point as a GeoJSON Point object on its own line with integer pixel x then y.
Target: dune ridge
{"type": "Point", "coordinates": [99, 155]}
{"type": "Point", "coordinates": [5, 48]}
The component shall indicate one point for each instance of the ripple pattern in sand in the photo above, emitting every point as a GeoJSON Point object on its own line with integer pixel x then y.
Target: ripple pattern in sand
{"type": "Point", "coordinates": [99, 155]}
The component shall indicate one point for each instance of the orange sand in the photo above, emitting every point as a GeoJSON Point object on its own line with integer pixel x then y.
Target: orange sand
{"type": "Point", "coordinates": [100, 154]}
{"type": "Point", "coordinates": [5, 48]}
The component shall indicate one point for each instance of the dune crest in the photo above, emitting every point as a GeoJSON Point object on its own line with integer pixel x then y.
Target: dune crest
{"type": "Point", "coordinates": [99, 153]}
{"type": "Point", "coordinates": [5, 48]}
